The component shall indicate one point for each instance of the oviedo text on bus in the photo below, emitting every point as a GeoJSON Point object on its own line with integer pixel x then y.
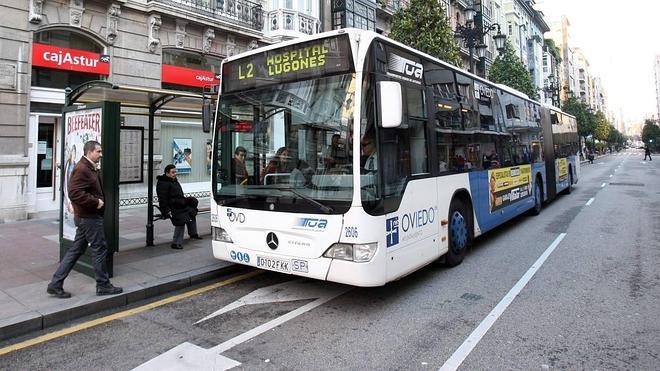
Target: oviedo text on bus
{"type": "Point", "coordinates": [349, 157]}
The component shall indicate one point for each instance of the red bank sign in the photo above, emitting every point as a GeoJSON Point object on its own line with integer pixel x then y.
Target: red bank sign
{"type": "Point", "coordinates": [69, 59]}
{"type": "Point", "coordinates": [188, 76]}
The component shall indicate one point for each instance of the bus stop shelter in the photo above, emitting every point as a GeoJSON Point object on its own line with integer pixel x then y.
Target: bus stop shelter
{"type": "Point", "coordinates": [127, 101]}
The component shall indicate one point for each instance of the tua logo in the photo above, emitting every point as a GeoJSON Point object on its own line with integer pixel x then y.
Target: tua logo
{"type": "Point", "coordinates": [312, 223]}
{"type": "Point", "coordinates": [413, 69]}
{"type": "Point", "coordinates": [392, 231]}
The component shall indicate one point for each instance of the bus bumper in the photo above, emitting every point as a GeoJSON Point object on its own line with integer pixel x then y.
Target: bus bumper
{"type": "Point", "coordinates": [372, 273]}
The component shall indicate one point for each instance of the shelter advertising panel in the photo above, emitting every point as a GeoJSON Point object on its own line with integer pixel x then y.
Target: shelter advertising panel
{"type": "Point", "coordinates": [509, 185]}
{"type": "Point", "coordinates": [80, 127]}
{"type": "Point", "coordinates": [182, 155]}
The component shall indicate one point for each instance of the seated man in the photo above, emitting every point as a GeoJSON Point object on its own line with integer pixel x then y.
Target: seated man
{"type": "Point", "coordinates": [181, 210]}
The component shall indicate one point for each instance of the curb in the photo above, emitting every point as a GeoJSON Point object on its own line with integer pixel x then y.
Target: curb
{"type": "Point", "coordinates": [40, 320]}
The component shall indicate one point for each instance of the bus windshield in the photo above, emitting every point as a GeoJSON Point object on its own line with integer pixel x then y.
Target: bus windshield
{"type": "Point", "coordinates": [286, 147]}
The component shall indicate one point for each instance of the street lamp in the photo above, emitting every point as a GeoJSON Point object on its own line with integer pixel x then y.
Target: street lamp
{"type": "Point", "coordinates": [472, 37]}
{"type": "Point", "coordinates": [552, 89]}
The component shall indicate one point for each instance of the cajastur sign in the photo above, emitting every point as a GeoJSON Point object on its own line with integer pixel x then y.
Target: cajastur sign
{"type": "Point", "coordinates": [56, 57]}
{"type": "Point", "coordinates": [188, 76]}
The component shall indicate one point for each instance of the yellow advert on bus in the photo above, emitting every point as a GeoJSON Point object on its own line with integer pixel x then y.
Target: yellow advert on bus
{"type": "Point", "coordinates": [562, 169]}
{"type": "Point", "coordinates": [509, 185]}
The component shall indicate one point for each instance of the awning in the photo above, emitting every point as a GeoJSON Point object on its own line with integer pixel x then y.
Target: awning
{"type": "Point", "coordinates": [139, 100]}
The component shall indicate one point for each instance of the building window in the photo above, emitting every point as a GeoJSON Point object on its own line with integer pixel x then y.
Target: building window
{"type": "Point", "coordinates": [353, 13]}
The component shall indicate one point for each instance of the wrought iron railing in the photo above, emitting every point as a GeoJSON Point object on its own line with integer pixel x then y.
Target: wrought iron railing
{"type": "Point", "coordinates": [241, 12]}
{"type": "Point", "coordinates": [143, 199]}
{"type": "Point", "coordinates": [291, 20]}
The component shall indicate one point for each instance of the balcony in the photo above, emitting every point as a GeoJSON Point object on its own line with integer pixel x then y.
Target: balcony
{"type": "Point", "coordinates": [237, 12]}
{"type": "Point", "coordinates": [390, 6]}
{"type": "Point", "coordinates": [291, 23]}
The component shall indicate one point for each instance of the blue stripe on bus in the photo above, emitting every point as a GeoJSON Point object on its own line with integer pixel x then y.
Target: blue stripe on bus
{"type": "Point", "coordinates": [479, 187]}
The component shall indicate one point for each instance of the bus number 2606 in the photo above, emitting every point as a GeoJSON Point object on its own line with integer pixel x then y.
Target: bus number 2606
{"type": "Point", "coordinates": [351, 232]}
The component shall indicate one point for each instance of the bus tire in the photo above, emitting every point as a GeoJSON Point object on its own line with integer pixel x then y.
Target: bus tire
{"type": "Point", "coordinates": [538, 198]}
{"type": "Point", "coordinates": [459, 233]}
{"type": "Point", "coordinates": [569, 189]}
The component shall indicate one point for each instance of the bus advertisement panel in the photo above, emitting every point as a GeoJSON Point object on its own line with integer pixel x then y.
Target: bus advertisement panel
{"type": "Point", "coordinates": [562, 169]}
{"type": "Point", "coordinates": [509, 185]}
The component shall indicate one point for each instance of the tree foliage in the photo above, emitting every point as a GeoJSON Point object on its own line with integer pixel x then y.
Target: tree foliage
{"type": "Point", "coordinates": [586, 120]}
{"type": "Point", "coordinates": [509, 70]}
{"type": "Point", "coordinates": [424, 25]}
{"type": "Point", "coordinates": [602, 129]}
{"type": "Point", "coordinates": [651, 133]}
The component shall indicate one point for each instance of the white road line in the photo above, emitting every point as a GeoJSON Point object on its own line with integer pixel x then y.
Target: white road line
{"type": "Point", "coordinates": [590, 201]}
{"type": "Point", "coordinates": [603, 185]}
{"type": "Point", "coordinates": [468, 345]}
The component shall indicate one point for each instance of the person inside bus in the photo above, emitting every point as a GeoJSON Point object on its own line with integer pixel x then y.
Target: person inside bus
{"type": "Point", "coordinates": [277, 164]}
{"type": "Point", "coordinates": [239, 169]}
{"type": "Point", "coordinates": [493, 159]}
{"type": "Point", "coordinates": [334, 154]}
{"type": "Point", "coordinates": [369, 154]}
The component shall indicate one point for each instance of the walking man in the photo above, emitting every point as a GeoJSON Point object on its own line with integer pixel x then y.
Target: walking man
{"type": "Point", "coordinates": [86, 195]}
{"type": "Point", "coordinates": [647, 152]}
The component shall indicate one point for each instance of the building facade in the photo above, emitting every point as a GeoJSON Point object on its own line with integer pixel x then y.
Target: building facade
{"type": "Point", "coordinates": [49, 45]}
{"type": "Point", "coordinates": [656, 69]}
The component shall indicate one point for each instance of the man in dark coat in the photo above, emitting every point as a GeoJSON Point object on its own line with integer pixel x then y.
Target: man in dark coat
{"type": "Point", "coordinates": [86, 195]}
{"type": "Point", "coordinates": [181, 210]}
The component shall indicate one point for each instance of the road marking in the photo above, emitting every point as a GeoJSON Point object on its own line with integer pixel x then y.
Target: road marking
{"type": "Point", "coordinates": [124, 314]}
{"type": "Point", "coordinates": [610, 175]}
{"type": "Point", "coordinates": [190, 356]}
{"type": "Point", "coordinates": [590, 201]}
{"type": "Point", "coordinates": [468, 345]}
{"type": "Point", "coordinates": [603, 185]}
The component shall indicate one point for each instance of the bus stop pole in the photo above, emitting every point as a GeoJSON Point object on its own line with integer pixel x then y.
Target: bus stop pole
{"type": "Point", "coordinates": [150, 181]}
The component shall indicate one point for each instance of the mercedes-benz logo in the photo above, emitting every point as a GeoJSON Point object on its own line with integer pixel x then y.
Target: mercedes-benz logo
{"type": "Point", "coordinates": [271, 240]}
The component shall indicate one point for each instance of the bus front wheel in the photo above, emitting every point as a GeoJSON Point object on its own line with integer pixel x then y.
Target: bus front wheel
{"type": "Point", "coordinates": [569, 189]}
{"type": "Point", "coordinates": [459, 233]}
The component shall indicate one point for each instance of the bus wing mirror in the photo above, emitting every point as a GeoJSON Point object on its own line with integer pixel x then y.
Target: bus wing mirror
{"type": "Point", "coordinates": [390, 108]}
{"type": "Point", "coordinates": [207, 115]}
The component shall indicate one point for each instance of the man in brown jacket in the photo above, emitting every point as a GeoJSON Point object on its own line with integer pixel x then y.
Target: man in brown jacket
{"type": "Point", "coordinates": [86, 195]}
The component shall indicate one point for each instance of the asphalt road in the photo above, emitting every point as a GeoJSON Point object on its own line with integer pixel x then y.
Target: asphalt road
{"type": "Point", "coordinates": [593, 303]}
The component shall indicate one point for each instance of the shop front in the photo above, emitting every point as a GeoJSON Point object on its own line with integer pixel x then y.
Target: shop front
{"type": "Point", "coordinates": [60, 58]}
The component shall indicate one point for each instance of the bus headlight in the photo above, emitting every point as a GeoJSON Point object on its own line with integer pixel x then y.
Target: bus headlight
{"type": "Point", "coordinates": [221, 235]}
{"type": "Point", "coordinates": [359, 253]}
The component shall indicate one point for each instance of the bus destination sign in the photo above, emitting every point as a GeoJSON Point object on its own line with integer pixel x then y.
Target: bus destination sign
{"type": "Point", "coordinates": [308, 60]}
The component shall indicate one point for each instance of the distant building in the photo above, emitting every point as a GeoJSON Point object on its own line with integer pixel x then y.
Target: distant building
{"type": "Point", "coordinates": [656, 68]}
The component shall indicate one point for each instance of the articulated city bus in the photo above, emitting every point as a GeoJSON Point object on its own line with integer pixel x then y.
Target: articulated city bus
{"type": "Point", "coordinates": [352, 158]}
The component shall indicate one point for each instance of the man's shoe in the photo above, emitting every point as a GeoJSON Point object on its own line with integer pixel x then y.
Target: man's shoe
{"type": "Point", "coordinates": [176, 246]}
{"type": "Point", "coordinates": [58, 293]}
{"type": "Point", "coordinates": [108, 290]}
{"type": "Point", "coordinates": [196, 237]}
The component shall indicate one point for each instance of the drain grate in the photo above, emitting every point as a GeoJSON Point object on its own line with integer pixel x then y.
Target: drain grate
{"type": "Point", "coordinates": [629, 184]}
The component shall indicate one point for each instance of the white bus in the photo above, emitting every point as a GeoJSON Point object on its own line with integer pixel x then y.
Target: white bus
{"type": "Point", "coordinates": [352, 158]}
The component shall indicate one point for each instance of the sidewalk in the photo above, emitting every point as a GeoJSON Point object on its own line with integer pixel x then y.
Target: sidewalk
{"type": "Point", "coordinates": [29, 255]}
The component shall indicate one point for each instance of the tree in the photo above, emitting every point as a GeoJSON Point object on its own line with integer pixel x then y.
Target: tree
{"type": "Point", "coordinates": [602, 130]}
{"type": "Point", "coordinates": [585, 119]}
{"type": "Point", "coordinates": [424, 25]}
{"type": "Point", "coordinates": [651, 134]}
{"type": "Point", "coordinates": [509, 70]}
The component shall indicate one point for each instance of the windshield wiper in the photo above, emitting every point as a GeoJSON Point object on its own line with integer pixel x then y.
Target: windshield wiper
{"type": "Point", "coordinates": [324, 208]}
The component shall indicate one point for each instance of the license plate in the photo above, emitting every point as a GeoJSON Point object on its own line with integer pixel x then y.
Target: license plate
{"type": "Point", "coordinates": [272, 264]}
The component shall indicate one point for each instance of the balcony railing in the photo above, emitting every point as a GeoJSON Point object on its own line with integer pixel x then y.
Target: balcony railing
{"type": "Point", "coordinates": [241, 12]}
{"type": "Point", "coordinates": [392, 6]}
{"type": "Point", "coordinates": [291, 20]}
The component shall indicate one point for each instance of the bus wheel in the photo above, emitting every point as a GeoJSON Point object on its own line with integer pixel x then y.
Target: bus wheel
{"type": "Point", "coordinates": [459, 235]}
{"type": "Point", "coordinates": [569, 189]}
{"type": "Point", "coordinates": [538, 198]}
